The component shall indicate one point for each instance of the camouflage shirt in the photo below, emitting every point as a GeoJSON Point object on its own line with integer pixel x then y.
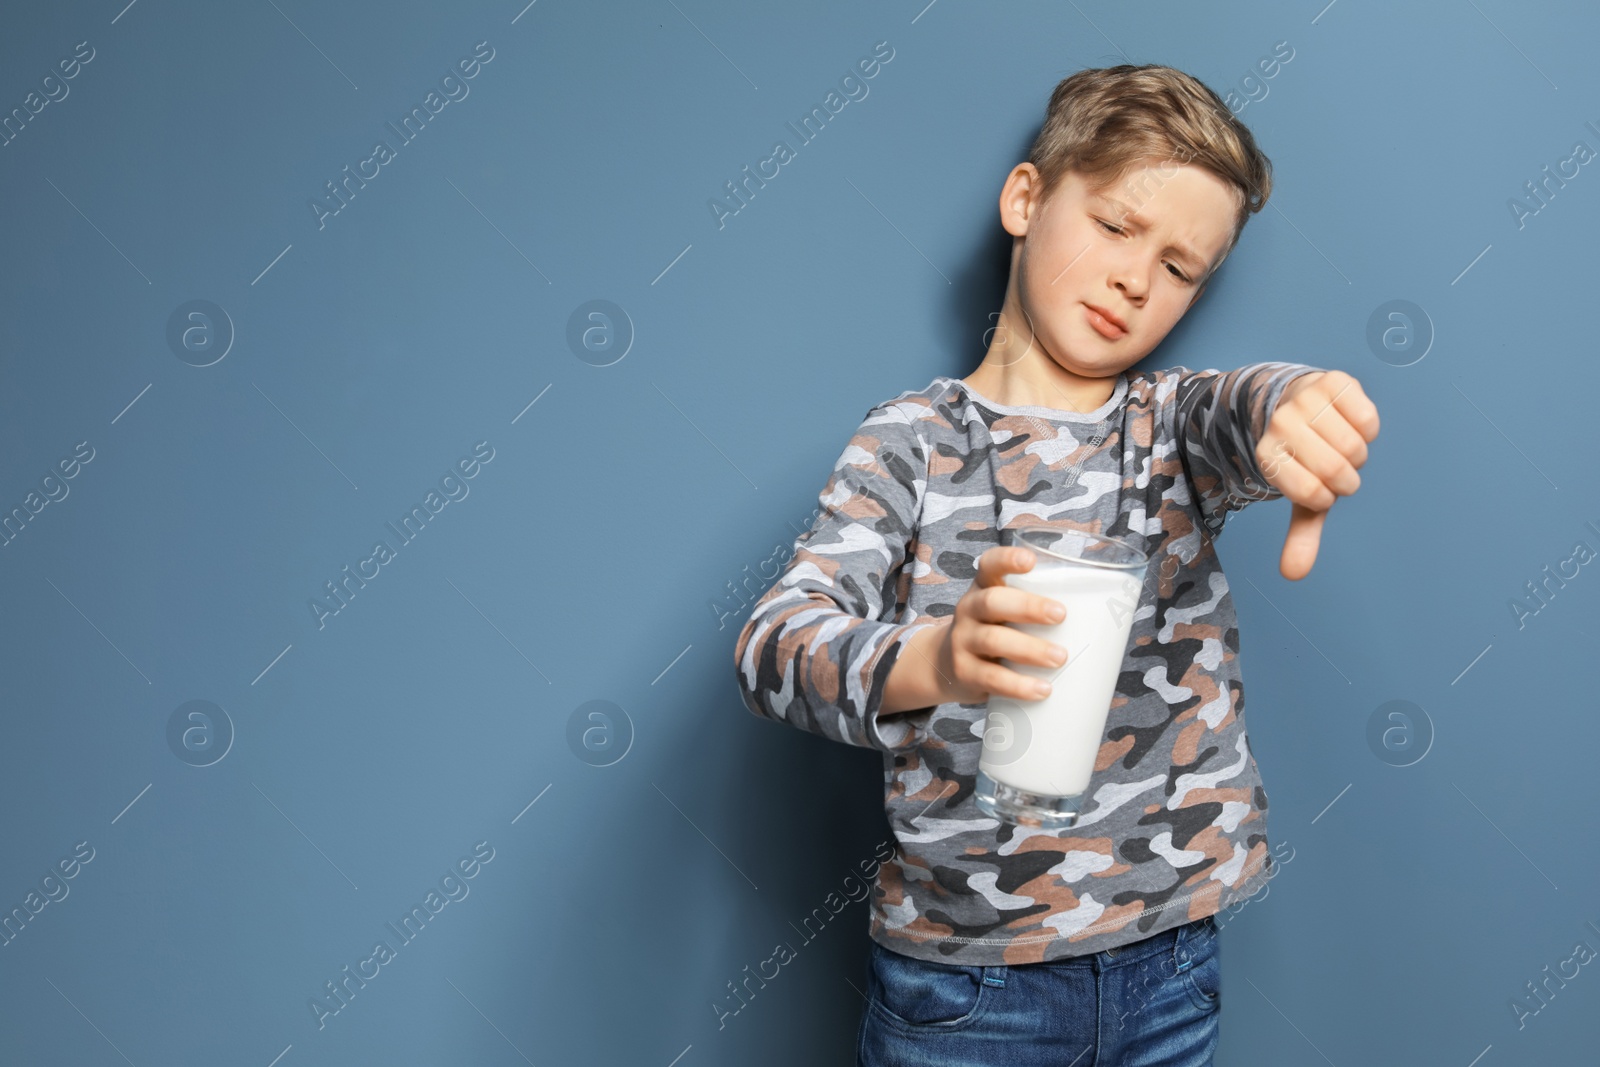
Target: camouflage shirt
{"type": "Point", "coordinates": [1175, 827]}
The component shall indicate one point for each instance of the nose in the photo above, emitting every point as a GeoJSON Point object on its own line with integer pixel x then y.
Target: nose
{"type": "Point", "coordinates": [1131, 278]}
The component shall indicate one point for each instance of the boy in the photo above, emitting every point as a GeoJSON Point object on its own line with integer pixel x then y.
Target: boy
{"type": "Point", "coordinates": [994, 943]}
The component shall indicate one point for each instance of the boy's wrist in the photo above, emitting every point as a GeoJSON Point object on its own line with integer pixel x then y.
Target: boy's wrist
{"type": "Point", "coordinates": [916, 681]}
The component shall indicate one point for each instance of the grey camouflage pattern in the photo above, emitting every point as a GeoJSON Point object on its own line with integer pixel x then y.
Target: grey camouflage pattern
{"type": "Point", "coordinates": [1177, 824]}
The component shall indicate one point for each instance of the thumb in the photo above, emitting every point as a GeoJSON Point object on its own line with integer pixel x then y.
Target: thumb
{"type": "Point", "coordinates": [1300, 545]}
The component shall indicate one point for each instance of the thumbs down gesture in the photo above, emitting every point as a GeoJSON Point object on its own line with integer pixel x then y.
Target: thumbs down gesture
{"type": "Point", "coordinates": [1311, 449]}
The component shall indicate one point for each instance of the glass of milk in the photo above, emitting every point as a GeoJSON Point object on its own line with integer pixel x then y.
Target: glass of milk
{"type": "Point", "coordinates": [1038, 755]}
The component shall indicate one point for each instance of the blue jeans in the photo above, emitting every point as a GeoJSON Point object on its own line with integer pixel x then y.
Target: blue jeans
{"type": "Point", "coordinates": [1151, 1003]}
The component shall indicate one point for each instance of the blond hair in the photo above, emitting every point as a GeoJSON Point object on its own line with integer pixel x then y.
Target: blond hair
{"type": "Point", "coordinates": [1101, 121]}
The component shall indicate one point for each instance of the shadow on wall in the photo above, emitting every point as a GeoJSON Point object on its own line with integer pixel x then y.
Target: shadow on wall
{"type": "Point", "coordinates": [731, 831]}
{"type": "Point", "coordinates": [979, 287]}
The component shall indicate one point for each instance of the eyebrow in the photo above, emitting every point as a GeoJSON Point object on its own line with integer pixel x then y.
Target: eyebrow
{"type": "Point", "coordinates": [1195, 259]}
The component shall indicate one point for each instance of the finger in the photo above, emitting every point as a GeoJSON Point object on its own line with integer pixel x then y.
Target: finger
{"type": "Point", "coordinates": [1301, 543]}
{"type": "Point", "coordinates": [1334, 428]}
{"type": "Point", "coordinates": [997, 642]}
{"type": "Point", "coordinates": [1317, 406]}
{"type": "Point", "coordinates": [996, 563]}
{"type": "Point", "coordinates": [1301, 486]}
{"type": "Point", "coordinates": [1002, 681]}
{"type": "Point", "coordinates": [1322, 459]}
{"type": "Point", "coordinates": [1002, 603]}
{"type": "Point", "coordinates": [1342, 392]}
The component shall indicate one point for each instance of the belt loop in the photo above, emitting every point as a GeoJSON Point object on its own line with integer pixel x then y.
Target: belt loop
{"type": "Point", "coordinates": [1180, 956]}
{"type": "Point", "coordinates": [995, 976]}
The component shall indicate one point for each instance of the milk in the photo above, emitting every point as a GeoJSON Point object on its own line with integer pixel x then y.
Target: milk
{"type": "Point", "coordinates": [1048, 746]}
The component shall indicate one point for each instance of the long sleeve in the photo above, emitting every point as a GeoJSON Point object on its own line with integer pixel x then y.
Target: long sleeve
{"type": "Point", "coordinates": [818, 647]}
{"type": "Point", "coordinates": [1220, 417]}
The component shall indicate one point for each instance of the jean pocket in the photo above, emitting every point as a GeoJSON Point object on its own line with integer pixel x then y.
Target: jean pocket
{"type": "Point", "coordinates": [921, 994]}
{"type": "Point", "coordinates": [1200, 959]}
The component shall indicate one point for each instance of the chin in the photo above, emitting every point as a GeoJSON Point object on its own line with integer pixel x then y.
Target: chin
{"type": "Point", "coordinates": [1099, 357]}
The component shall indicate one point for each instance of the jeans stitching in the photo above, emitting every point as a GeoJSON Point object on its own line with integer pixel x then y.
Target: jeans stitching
{"type": "Point", "coordinates": [947, 1026]}
{"type": "Point", "coordinates": [1202, 1000]}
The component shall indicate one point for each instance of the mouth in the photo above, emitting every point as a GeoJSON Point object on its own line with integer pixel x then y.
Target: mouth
{"type": "Point", "coordinates": [1105, 324]}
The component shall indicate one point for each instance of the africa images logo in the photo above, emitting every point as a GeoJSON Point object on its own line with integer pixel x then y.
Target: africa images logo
{"type": "Point", "coordinates": [455, 88]}
{"type": "Point", "coordinates": [452, 486]}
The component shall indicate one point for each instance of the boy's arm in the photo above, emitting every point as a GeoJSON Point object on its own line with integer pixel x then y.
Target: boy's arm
{"type": "Point", "coordinates": [1219, 419]}
{"type": "Point", "coordinates": [818, 647]}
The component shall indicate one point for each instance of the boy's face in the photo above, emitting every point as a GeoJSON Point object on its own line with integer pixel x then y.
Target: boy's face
{"type": "Point", "coordinates": [1104, 274]}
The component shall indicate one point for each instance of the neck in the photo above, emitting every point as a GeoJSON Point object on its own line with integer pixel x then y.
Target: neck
{"type": "Point", "coordinates": [1017, 373]}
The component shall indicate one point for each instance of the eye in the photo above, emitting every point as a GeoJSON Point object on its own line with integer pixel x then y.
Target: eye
{"type": "Point", "coordinates": [1173, 268]}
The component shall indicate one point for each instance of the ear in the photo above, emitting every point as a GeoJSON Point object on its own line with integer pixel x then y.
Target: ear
{"type": "Point", "coordinates": [1019, 199]}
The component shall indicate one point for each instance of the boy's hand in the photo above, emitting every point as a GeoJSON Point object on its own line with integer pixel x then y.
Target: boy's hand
{"type": "Point", "coordinates": [1312, 446]}
{"type": "Point", "coordinates": [971, 645]}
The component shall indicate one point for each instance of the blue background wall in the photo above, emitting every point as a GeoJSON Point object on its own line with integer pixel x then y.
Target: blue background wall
{"type": "Point", "coordinates": [248, 848]}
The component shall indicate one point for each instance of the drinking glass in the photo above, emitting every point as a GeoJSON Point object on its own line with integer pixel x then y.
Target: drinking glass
{"type": "Point", "coordinates": [1038, 755]}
